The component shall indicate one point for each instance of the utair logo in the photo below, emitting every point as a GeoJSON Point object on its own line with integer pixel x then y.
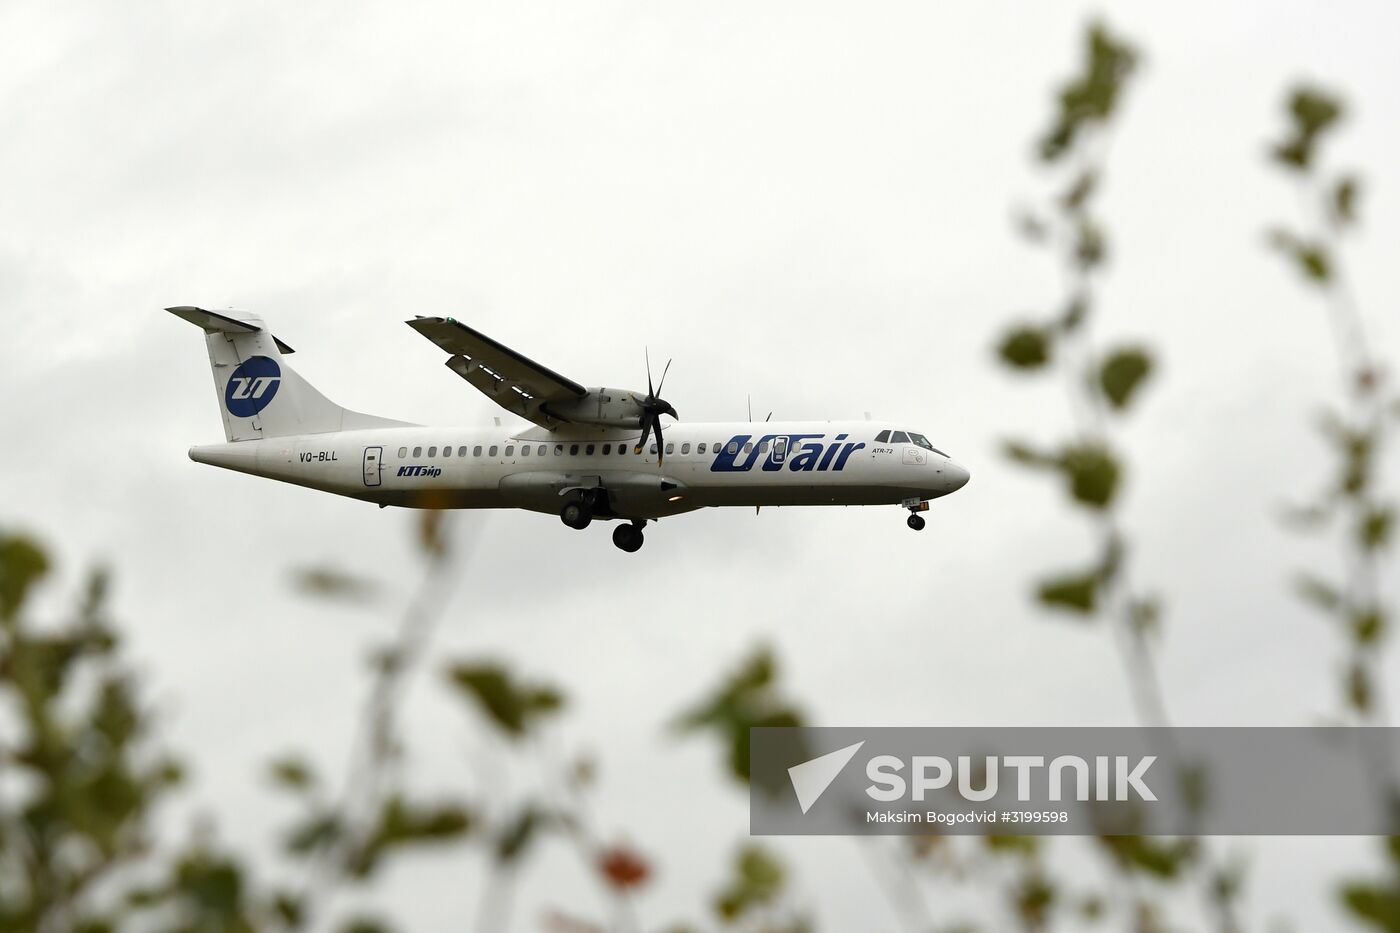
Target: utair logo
{"type": "Point", "coordinates": [429, 471]}
{"type": "Point", "coordinates": [798, 453]}
{"type": "Point", "coordinates": [252, 386]}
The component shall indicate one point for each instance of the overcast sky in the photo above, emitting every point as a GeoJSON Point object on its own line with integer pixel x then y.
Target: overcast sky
{"type": "Point", "coordinates": [805, 203]}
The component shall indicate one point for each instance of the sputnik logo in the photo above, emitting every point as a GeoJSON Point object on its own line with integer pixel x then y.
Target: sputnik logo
{"type": "Point", "coordinates": [811, 778]}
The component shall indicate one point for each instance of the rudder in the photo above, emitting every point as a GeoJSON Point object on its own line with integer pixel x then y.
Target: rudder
{"type": "Point", "coordinates": [259, 394]}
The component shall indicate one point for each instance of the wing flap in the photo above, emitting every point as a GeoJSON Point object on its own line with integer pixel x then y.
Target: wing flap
{"type": "Point", "coordinates": [510, 379]}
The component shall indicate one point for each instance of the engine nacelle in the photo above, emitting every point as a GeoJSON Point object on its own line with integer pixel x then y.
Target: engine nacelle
{"type": "Point", "coordinates": [612, 408]}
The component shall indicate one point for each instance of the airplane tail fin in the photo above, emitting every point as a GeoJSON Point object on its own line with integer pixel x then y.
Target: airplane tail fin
{"type": "Point", "coordinates": [259, 394]}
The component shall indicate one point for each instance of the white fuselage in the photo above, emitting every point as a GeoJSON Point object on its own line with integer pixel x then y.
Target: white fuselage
{"type": "Point", "coordinates": [718, 464]}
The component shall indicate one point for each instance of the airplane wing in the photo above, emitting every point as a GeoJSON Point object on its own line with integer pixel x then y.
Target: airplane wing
{"type": "Point", "coordinates": [515, 382]}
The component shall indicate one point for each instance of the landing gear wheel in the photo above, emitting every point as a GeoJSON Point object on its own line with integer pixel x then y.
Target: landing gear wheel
{"type": "Point", "coordinates": [628, 537]}
{"type": "Point", "coordinates": [916, 522]}
{"type": "Point", "coordinates": [576, 515]}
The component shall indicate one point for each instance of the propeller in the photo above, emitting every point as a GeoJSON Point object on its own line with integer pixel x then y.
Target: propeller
{"type": "Point", "coordinates": [653, 407]}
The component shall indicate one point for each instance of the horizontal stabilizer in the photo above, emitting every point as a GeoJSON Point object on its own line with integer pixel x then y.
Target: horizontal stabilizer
{"type": "Point", "coordinates": [230, 322]}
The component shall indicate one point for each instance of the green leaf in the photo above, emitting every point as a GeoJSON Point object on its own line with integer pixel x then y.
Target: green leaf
{"type": "Point", "coordinates": [512, 705]}
{"type": "Point", "coordinates": [292, 773]}
{"type": "Point", "coordinates": [513, 841]}
{"type": "Point", "coordinates": [290, 908]}
{"type": "Point", "coordinates": [1357, 687]}
{"type": "Point", "coordinates": [1375, 528]}
{"type": "Point", "coordinates": [1080, 191]}
{"type": "Point", "coordinates": [1158, 858]}
{"type": "Point", "coordinates": [365, 925]}
{"type": "Point", "coordinates": [1028, 456]}
{"type": "Point", "coordinates": [1031, 227]}
{"type": "Point", "coordinates": [1090, 244]}
{"type": "Point", "coordinates": [1074, 314]}
{"type": "Point", "coordinates": [1367, 625]}
{"type": "Point", "coordinates": [1092, 472]}
{"type": "Point", "coordinates": [1319, 592]}
{"type": "Point", "coordinates": [1313, 262]}
{"type": "Point", "coordinates": [402, 823]}
{"type": "Point", "coordinates": [1090, 98]}
{"type": "Point", "coordinates": [1344, 195]}
{"type": "Point", "coordinates": [1122, 373]}
{"type": "Point", "coordinates": [1075, 592]}
{"type": "Point", "coordinates": [758, 880]}
{"type": "Point", "coordinates": [1312, 111]}
{"type": "Point", "coordinates": [1144, 614]}
{"type": "Point", "coordinates": [333, 583]}
{"type": "Point", "coordinates": [748, 698]}
{"type": "Point", "coordinates": [313, 833]}
{"type": "Point", "coordinates": [1378, 905]}
{"type": "Point", "coordinates": [432, 533]}
{"type": "Point", "coordinates": [1309, 257]}
{"type": "Point", "coordinates": [1025, 846]}
{"type": "Point", "coordinates": [22, 564]}
{"type": "Point", "coordinates": [1025, 347]}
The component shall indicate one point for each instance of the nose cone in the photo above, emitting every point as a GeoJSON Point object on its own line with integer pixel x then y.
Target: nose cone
{"type": "Point", "coordinates": [957, 476]}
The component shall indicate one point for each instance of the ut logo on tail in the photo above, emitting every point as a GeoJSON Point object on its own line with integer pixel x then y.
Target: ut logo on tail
{"type": "Point", "coordinates": [252, 386]}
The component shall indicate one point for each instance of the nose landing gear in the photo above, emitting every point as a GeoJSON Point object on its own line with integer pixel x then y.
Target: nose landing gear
{"type": "Point", "coordinates": [629, 537]}
{"type": "Point", "coordinates": [915, 506]}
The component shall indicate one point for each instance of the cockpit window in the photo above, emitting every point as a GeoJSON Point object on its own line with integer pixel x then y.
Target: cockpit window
{"type": "Point", "coordinates": [923, 442]}
{"type": "Point", "coordinates": [899, 437]}
{"type": "Point", "coordinates": [883, 437]}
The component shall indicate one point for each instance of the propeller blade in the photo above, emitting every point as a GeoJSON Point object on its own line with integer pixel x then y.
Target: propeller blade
{"type": "Point", "coordinates": [651, 393]}
{"type": "Point", "coordinates": [647, 419]}
{"type": "Point", "coordinates": [660, 384]}
{"type": "Point", "coordinates": [770, 417]}
{"type": "Point", "coordinates": [660, 444]}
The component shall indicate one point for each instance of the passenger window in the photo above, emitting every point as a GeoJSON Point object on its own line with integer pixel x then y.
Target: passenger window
{"type": "Point", "coordinates": [748, 447]}
{"type": "Point", "coordinates": [524, 450]}
{"type": "Point", "coordinates": [432, 452]}
{"type": "Point", "coordinates": [670, 449]}
{"type": "Point", "coordinates": [763, 447]}
{"type": "Point", "coordinates": [418, 451]}
{"type": "Point", "coordinates": [558, 450]}
{"type": "Point", "coordinates": [685, 448]}
{"type": "Point", "coordinates": [883, 437]}
{"type": "Point", "coordinates": [589, 450]}
{"type": "Point", "coordinates": [899, 437]}
{"type": "Point", "coordinates": [700, 449]}
{"type": "Point", "coordinates": [447, 451]}
{"type": "Point", "coordinates": [476, 451]}
{"type": "Point", "coordinates": [461, 451]}
{"type": "Point", "coordinates": [510, 450]}
{"type": "Point", "coordinates": [492, 451]}
{"type": "Point", "coordinates": [573, 450]}
{"type": "Point", "coordinates": [653, 449]}
{"type": "Point", "coordinates": [541, 450]}
{"type": "Point", "coordinates": [403, 452]}
{"type": "Point", "coordinates": [607, 449]}
{"type": "Point", "coordinates": [733, 447]}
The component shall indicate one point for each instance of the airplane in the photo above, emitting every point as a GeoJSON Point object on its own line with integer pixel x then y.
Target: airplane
{"type": "Point", "coordinates": [587, 453]}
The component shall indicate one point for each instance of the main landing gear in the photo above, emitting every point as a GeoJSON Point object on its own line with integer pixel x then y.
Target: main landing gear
{"type": "Point", "coordinates": [917, 522]}
{"type": "Point", "coordinates": [629, 537]}
{"type": "Point", "coordinates": [915, 506]}
{"type": "Point", "coordinates": [576, 514]}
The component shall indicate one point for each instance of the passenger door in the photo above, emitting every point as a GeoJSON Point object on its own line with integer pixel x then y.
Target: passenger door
{"type": "Point", "coordinates": [373, 465]}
